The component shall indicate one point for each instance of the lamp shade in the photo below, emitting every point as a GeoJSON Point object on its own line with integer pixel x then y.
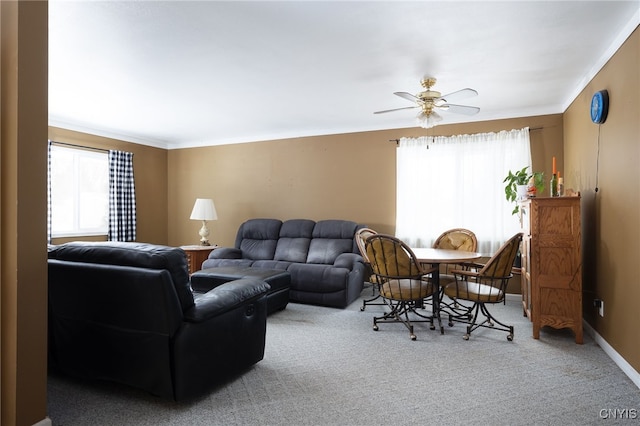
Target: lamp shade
{"type": "Point", "coordinates": [204, 209]}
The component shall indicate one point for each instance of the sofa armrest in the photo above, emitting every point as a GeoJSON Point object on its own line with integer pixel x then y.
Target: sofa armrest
{"type": "Point", "coordinates": [226, 253]}
{"type": "Point", "coordinates": [226, 297]}
{"type": "Point", "coordinates": [348, 260]}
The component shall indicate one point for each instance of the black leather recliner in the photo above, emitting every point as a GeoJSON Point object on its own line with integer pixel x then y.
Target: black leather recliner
{"type": "Point", "coordinates": [124, 312]}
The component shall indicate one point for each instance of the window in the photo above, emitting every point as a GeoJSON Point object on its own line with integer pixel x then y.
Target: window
{"type": "Point", "coordinates": [79, 191]}
{"type": "Point", "coordinates": [456, 182]}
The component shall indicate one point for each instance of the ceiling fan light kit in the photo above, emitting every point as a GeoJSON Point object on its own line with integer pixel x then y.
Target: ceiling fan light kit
{"type": "Point", "coordinates": [428, 120]}
{"type": "Point", "coordinates": [428, 100]}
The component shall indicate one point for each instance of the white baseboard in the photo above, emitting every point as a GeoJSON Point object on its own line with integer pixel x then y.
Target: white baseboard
{"type": "Point", "coordinates": [44, 422]}
{"type": "Point", "coordinates": [615, 356]}
{"type": "Point", "coordinates": [606, 347]}
{"type": "Point", "coordinates": [513, 296]}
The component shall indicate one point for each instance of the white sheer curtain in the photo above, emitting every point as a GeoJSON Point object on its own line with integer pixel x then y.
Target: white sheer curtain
{"type": "Point", "coordinates": [456, 182]}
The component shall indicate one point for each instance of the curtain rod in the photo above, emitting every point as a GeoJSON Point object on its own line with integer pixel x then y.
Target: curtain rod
{"type": "Point", "coordinates": [79, 146]}
{"type": "Point", "coordinates": [531, 129]}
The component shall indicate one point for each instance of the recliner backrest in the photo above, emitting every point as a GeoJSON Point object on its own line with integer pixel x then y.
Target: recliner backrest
{"type": "Point", "coordinates": [140, 255]}
{"type": "Point", "coordinates": [295, 237]}
{"type": "Point", "coordinates": [330, 239]}
{"type": "Point", "coordinates": [257, 238]}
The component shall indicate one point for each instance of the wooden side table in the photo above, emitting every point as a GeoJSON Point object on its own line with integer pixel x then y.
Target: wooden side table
{"type": "Point", "coordinates": [196, 255]}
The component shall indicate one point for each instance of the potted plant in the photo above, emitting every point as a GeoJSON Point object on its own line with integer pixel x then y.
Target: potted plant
{"type": "Point", "coordinates": [521, 184]}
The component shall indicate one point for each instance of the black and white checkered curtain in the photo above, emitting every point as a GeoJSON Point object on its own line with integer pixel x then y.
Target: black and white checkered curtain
{"type": "Point", "coordinates": [122, 197]}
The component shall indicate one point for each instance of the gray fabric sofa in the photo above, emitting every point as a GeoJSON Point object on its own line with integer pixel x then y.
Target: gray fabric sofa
{"type": "Point", "coordinates": [322, 257]}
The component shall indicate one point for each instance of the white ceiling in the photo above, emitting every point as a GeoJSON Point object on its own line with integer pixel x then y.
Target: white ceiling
{"type": "Point", "coordinates": [178, 74]}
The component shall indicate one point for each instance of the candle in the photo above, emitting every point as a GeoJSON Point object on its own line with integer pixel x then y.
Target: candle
{"type": "Point", "coordinates": [553, 167]}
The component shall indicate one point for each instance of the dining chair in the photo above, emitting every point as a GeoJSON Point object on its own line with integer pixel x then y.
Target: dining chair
{"type": "Point", "coordinates": [484, 287]}
{"type": "Point", "coordinates": [361, 236]}
{"type": "Point", "coordinates": [404, 282]}
{"type": "Point", "coordinates": [454, 239]}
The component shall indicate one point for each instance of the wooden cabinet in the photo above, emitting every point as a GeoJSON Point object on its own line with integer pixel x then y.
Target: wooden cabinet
{"type": "Point", "coordinates": [196, 255]}
{"type": "Point", "coordinates": [552, 263]}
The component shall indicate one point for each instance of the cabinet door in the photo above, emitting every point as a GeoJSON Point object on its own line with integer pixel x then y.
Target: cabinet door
{"type": "Point", "coordinates": [525, 277]}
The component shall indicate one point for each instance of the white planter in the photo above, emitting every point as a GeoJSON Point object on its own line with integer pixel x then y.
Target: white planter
{"type": "Point", "coordinates": [521, 191]}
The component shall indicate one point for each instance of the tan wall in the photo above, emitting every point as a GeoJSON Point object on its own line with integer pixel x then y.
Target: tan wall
{"type": "Point", "coordinates": [329, 177]}
{"type": "Point", "coordinates": [23, 206]}
{"type": "Point", "coordinates": [347, 176]}
{"type": "Point", "coordinates": [150, 173]}
{"type": "Point", "coordinates": [607, 157]}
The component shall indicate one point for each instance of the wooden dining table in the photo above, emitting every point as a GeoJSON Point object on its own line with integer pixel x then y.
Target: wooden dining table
{"type": "Point", "coordinates": [435, 257]}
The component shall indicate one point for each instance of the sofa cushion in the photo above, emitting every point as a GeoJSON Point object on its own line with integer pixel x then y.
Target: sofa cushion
{"type": "Point", "coordinates": [318, 278]}
{"type": "Point", "coordinates": [330, 239]}
{"type": "Point", "coordinates": [140, 255]}
{"type": "Point", "coordinates": [257, 238]}
{"type": "Point", "coordinates": [295, 236]}
{"type": "Point", "coordinates": [325, 251]}
{"type": "Point", "coordinates": [271, 264]}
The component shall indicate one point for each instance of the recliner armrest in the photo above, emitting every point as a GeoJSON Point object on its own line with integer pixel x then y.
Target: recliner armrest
{"type": "Point", "coordinates": [226, 297]}
{"type": "Point", "coordinates": [226, 253]}
{"type": "Point", "coordinates": [201, 282]}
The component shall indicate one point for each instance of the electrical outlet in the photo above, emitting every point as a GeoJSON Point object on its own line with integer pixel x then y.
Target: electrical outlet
{"type": "Point", "coordinates": [598, 303]}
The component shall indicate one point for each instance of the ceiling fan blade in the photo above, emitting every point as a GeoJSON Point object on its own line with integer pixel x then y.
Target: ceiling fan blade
{"type": "Point", "coordinates": [395, 109]}
{"type": "Point", "coordinates": [460, 109]}
{"type": "Point", "coordinates": [407, 96]}
{"type": "Point", "coordinates": [460, 94]}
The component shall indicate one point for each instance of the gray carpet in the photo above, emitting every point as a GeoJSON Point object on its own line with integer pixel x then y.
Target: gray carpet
{"type": "Point", "coordinates": [326, 366]}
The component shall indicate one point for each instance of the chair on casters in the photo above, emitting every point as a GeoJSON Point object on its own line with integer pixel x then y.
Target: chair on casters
{"type": "Point", "coordinates": [485, 286]}
{"type": "Point", "coordinates": [361, 236]}
{"type": "Point", "coordinates": [404, 283]}
{"type": "Point", "coordinates": [455, 239]}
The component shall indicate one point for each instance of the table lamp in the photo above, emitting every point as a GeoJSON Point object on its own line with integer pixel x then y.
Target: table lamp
{"type": "Point", "coordinates": [204, 210]}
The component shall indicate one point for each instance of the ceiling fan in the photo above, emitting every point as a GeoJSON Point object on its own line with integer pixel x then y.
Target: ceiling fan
{"type": "Point", "coordinates": [429, 100]}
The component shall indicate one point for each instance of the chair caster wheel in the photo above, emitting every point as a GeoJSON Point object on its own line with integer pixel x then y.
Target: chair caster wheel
{"type": "Point", "coordinates": [362, 308]}
{"type": "Point", "coordinates": [450, 324]}
{"type": "Point", "coordinates": [375, 328]}
{"type": "Point", "coordinates": [432, 327]}
{"type": "Point", "coordinates": [465, 337]}
{"type": "Point", "coordinates": [413, 337]}
{"type": "Point", "coordinates": [510, 337]}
